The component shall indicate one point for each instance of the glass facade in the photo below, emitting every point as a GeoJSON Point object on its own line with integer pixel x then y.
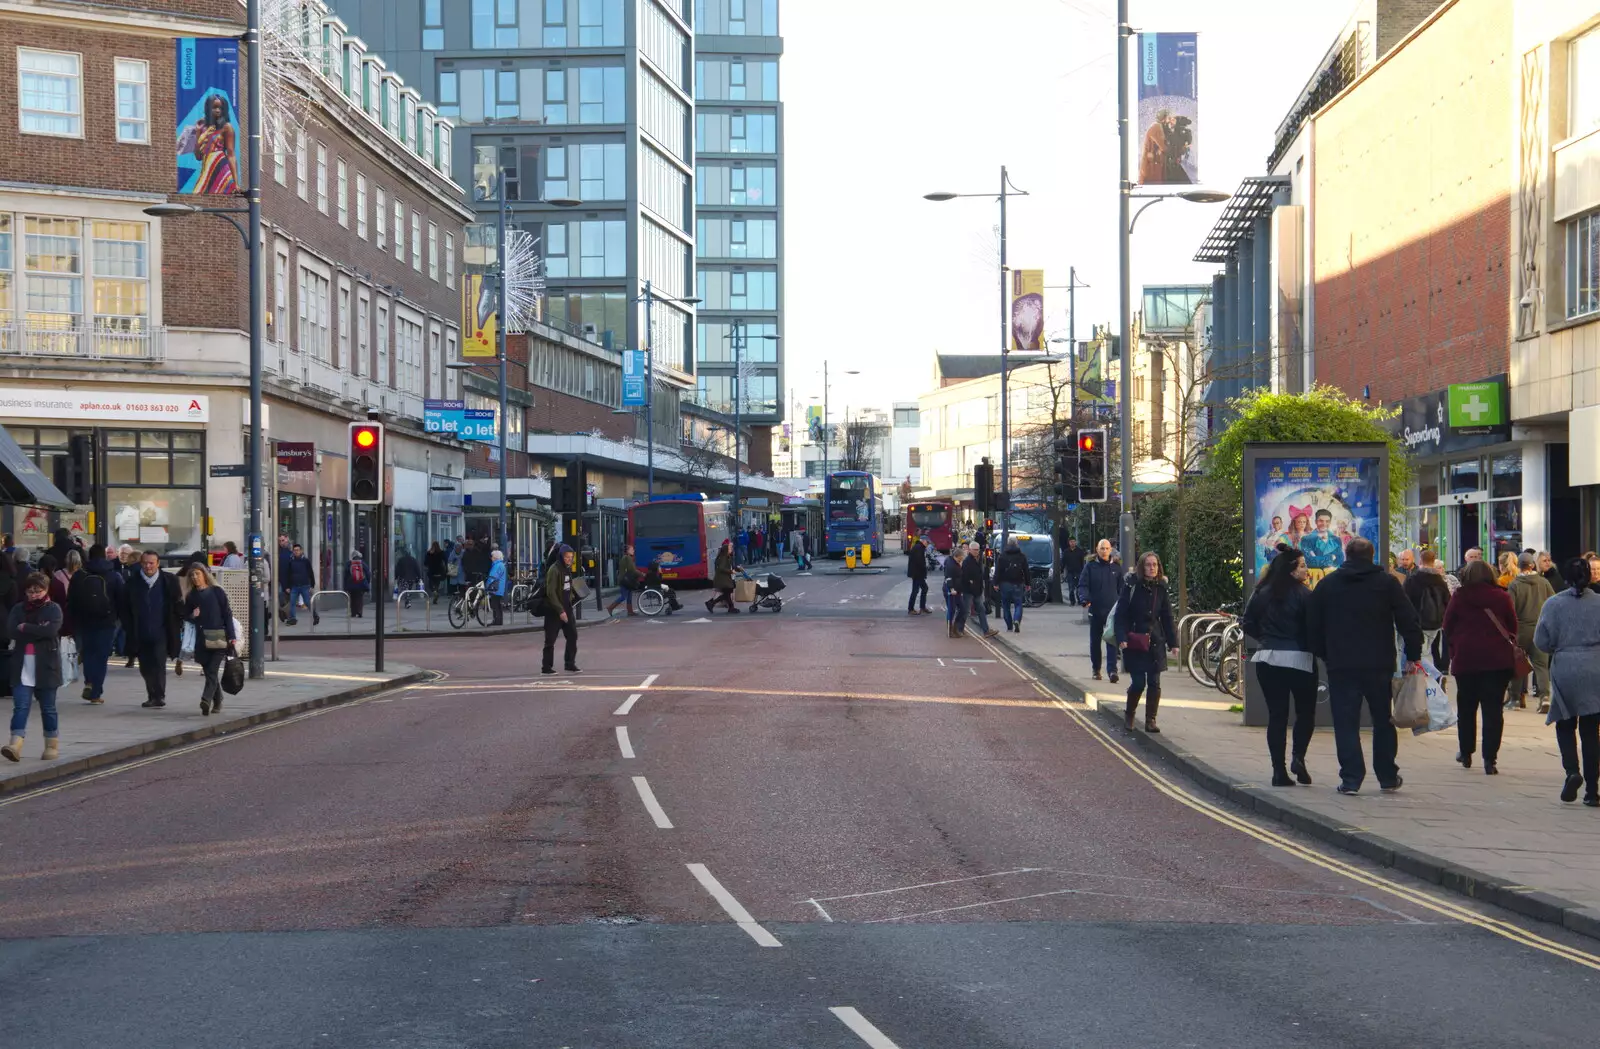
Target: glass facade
{"type": "Point", "coordinates": [1465, 501]}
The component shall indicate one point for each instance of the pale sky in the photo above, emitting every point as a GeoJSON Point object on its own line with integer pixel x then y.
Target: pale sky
{"type": "Point", "coordinates": [886, 100]}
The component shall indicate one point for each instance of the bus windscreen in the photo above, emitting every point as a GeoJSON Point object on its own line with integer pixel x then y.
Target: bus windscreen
{"type": "Point", "coordinates": [665, 520]}
{"type": "Point", "coordinates": [849, 499]}
{"type": "Point", "coordinates": [926, 517]}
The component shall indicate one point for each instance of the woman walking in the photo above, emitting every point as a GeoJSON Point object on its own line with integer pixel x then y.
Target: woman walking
{"type": "Point", "coordinates": [1275, 619]}
{"type": "Point", "coordinates": [722, 579]}
{"type": "Point", "coordinates": [1479, 625]}
{"type": "Point", "coordinates": [356, 583]}
{"type": "Point", "coordinates": [955, 607]}
{"type": "Point", "coordinates": [917, 572]}
{"type": "Point", "coordinates": [207, 609]}
{"type": "Point", "coordinates": [1569, 630]}
{"type": "Point", "coordinates": [1144, 629]}
{"type": "Point", "coordinates": [627, 581]}
{"type": "Point", "coordinates": [35, 625]}
{"type": "Point", "coordinates": [437, 566]}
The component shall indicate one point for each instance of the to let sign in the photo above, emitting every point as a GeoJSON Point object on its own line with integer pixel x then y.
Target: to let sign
{"type": "Point", "coordinates": [298, 456]}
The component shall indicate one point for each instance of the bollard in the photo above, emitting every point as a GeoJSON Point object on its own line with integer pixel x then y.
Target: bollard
{"type": "Point", "coordinates": [850, 557]}
{"type": "Point", "coordinates": [866, 555]}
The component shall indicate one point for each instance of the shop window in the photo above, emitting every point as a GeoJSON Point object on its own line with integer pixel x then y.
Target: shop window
{"type": "Point", "coordinates": [1464, 476]}
{"type": "Point", "coordinates": [1505, 476]}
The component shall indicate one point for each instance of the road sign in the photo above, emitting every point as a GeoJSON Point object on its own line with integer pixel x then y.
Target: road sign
{"type": "Point", "coordinates": [298, 456]}
{"type": "Point", "coordinates": [229, 470]}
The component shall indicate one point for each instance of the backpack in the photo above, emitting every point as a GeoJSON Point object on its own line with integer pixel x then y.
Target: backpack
{"type": "Point", "coordinates": [93, 599]}
{"type": "Point", "coordinates": [1430, 608]}
{"type": "Point", "coordinates": [358, 572]}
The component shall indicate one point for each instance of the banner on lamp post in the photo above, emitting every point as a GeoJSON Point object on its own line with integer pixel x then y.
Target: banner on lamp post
{"type": "Point", "coordinates": [1169, 109]}
{"type": "Point", "coordinates": [208, 116]}
{"type": "Point", "coordinates": [633, 378]}
{"type": "Point", "coordinates": [479, 318]}
{"type": "Point", "coordinates": [1027, 310]}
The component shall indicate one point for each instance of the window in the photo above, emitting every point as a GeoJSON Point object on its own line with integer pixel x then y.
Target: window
{"type": "Point", "coordinates": [314, 326]}
{"type": "Point", "coordinates": [50, 92]}
{"type": "Point", "coordinates": [381, 373]}
{"type": "Point", "coordinates": [450, 260]}
{"type": "Point", "coordinates": [555, 251]}
{"type": "Point", "coordinates": [379, 217]}
{"type": "Point", "coordinates": [416, 241]}
{"type": "Point", "coordinates": [52, 272]}
{"type": "Point", "coordinates": [722, 290]}
{"type": "Point", "coordinates": [408, 354]}
{"type": "Point", "coordinates": [506, 106]}
{"type": "Point", "coordinates": [737, 238]}
{"type": "Point", "coordinates": [555, 174]}
{"type": "Point", "coordinates": [736, 18]}
{"type": "Point", "coordinates": [7, 263]}
{"type": "Point", "coordinates": [752, 133]}
{"type": "Point", "coordinates": [433, 251]}
{"type": "Point", "coordinates": [555, 96]}
{"type": "Point", "coordinates": [602, 249]}
{"type": "Point", "coordinates": [399, 230]}
{"type": "Point", "coordinates": [361, 206]}
{"type": "Point", "coordinates": [280, 294]}
{"type": "Point", "coordinates": [363, 359]}
{"type": "Point", "coordinates": [1583, 90]}
{"type": "Point", "coordinates": [750, 185]}
{"type": "Point", "coordinates": [342, 189]}
{"type": "Point", "coordinates": [120, 263]}
{"type": "Point", "coordinates": [432, 25]}
{"type": "Point", "coordinates": [451, 382]}
{"type": "Point", "coordinates": [322, 178]}
{"type": "Point", "coordinates": [449, 93]}
{"type": "Point", "coordinates": [1583, 264]}
{"type": "Point", "coordinates": [602, 172]}
{"type": "Point", "coordinates": [391, 106]}
{"type": "Point", "coordinates": [344, 322]}
{"type": "Point", "coordinates": [494, 23]}
{"type": "Point", "coordinates": [300, 164]}
{"type": "Point", "coordinates": [600, 95]}
{"type": "Point", "coordinates": [907, 417]}
{"type": "Point", "coordinates": [133, 101]}
{"type": "Point", "coordinates": [408, 122]}
{"type": "Point", "coordinates": [280, 164]}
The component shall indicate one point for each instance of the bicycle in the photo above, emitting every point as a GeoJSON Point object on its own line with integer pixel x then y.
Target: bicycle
{"type": "Point", "coordinates": [473, 604]}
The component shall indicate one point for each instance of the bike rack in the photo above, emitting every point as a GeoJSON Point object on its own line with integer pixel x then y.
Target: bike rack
{"type": "Point", "coordinates": [1189, 624]}
{"type": "Point", "coordinates": [349, 624]}
{"type": "Point", "coordinates": [427, 609]}
{"type": "Point", "coordinates": [518, 592]}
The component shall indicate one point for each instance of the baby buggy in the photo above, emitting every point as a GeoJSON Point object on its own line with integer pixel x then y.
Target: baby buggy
{"type": "Point", "coordinates": [767, 594]}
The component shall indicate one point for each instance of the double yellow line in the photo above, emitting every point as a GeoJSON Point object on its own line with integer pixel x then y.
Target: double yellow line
{"type": "Point", "coordinates": [1426, 900]}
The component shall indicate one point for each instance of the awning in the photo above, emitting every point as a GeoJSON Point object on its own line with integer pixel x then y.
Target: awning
{"type": "Point", "coordinates": [21, 482]}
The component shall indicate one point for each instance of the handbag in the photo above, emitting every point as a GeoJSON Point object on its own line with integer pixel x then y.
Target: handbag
{"type": "Point", "coordinates": [214, 639]}
{"type": "Point", "coordinates": [1138, 642]}
{"type": "Point", "coordinates": [1521, 665]}
{"type": "Point", "coordinates": [233, 675]}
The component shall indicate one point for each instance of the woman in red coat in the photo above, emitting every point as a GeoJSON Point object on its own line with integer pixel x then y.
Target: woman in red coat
{"type": "Point", "coordinates": [1479, 625]}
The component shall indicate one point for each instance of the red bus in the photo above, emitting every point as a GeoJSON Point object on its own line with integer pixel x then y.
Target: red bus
{"type": "Point", "coordinates": [682, 532]}
{"type": "Point", "coordinates": [932, 519]}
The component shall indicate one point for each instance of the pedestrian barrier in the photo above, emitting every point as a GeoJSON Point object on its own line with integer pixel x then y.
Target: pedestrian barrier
{"type": "Point", "coordinates": [427, 609]}
{"type": "Point", "coordinates": [349, 620]}
{"type": "Point", "coordinates": [519, 595]}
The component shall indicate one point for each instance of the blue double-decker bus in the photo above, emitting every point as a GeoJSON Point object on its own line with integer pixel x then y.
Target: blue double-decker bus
{"type": "Point", "coordinates": [854, 505]}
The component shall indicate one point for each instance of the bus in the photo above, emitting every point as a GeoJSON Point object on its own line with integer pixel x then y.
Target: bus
{"type": "Point", "coordinates": [854, 505]}
{"type": "Point", "coordinates": [682, 531]}
{"type": "Point", "coordinates": [932, 519]}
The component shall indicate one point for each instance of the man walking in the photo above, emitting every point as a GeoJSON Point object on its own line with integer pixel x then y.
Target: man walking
{"type": "Point", "coordinates": [1529, 591]}
{"type": "Point", "coordinates": [559, 613]}
{"type": "Point", "coordinates": [94, 596]}
{"type": "Point", "coordinates": [1429, 594]}
{"type": "Point", "coordinates": [475, 560]}
{"type": "Point", "coordinates": [1355, 613]}
{"type": "Point", "coordinates": [1011, 571]}
{"type": "Point", "coordinates": [917, 571]}
{"type": "Point", "coordinates": [1098, 586]}
{"type": "Point", "coordinates": [154, 608]}
{"type": "Point", "coordinates": [302, 580]}
{"type": "Point", "coordinates": [1072, 559]}
{"type": "Point", "coordinates": [975, 588]}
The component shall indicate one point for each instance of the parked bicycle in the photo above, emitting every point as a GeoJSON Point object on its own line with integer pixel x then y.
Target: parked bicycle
{"type": "Point", "coordinates": [472, 604]}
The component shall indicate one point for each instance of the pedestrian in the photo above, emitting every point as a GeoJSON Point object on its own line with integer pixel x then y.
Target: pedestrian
{"type": "Point", "coordinates": [1406, 563]}
{"type": "Point", "coordinates": [63, 578]}
{"type": "Point", "coordinates": [1506, 569]}
{"type": "Point", "coordinates": [438, 568]}
{"type": "Point", "coordinates": [1276, 619]}
{"type": "Point", "coordinates": [722, 579]}
{"type": "Point", "coordinates": [1429, 594]}
{"type": "Point", "coordinates": [122, 642]}
{"type": "Point", "coordinates": [559, 612]}
{"type": "Point", "coordinates": [627, 580]}
{"type": "Point", "coordinates": [475, 561]}
{"type": "Point", "coordinates": [1569, 633]}
{"type": "Point", "coordinates": [1098, 586]}
{"type": "Point", "coordinates": [1479, 626]}
{"type": "Point", "coordinates": [1012, 572]}
{"type": "Point", "coordinates": [407, 572]}
{"type": "Point", "coordinates": [1552, 574]}
{"type": "Point", "coordinates": [742, 544]}
{"type": "Point", "coordinates": [302, 579]}
{"type": "Point", "coordinates": [1355, 613]}
{"type": "Point", "coordinates": [35, 624]}
{"type": "Point", "coordinates": [154, 607]}
{"type": "Point", "coordinates": [94, 596]}
{"type": "Point", "coordinates": [62, 546]}
{"type": "Point", "coordinates": [495, 586]}
{"type": "Point", "coordinates": [206, 608]}
{"type": "Point", "coordinates": [49, 567]}
{"type": "Point", "coordinates": [1144, 630]}
{"type": "Point", "coordinates": [1473, 554]}
{"type": "Point", "coordinates": [974, 589]}
{"type": "Point", "coordinates": [917, 572]}
{"type": "Point", "coordinates": [231, 557]}
{"type": "Point", "coordinates": [1529, 591]}
{"type": "Point", "coordinates": [285, 555]}
{"type": "Point", "coordinates": [453, 561]}
{"type": "Point", "coordinates": [1072, 560]}
{"type": "Point", "coordinates": [356, 582]}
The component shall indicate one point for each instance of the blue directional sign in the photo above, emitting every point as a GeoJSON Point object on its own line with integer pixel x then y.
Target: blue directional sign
{"type": "Point", "coordinates": [633, 378]}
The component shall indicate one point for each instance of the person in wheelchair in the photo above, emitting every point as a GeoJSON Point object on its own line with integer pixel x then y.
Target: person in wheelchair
{"type": "Point", "coordinates": [653, 581]}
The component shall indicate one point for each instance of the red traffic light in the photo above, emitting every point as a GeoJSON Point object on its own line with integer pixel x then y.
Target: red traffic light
{"type": "Point", "coordinates": [1086, 442]}
{"type": "Point", "coordinates": [366, 437]}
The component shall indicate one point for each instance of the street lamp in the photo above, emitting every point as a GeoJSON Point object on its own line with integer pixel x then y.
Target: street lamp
{"type": "Point", "coordinates": [826, 387]}
{"type": "Point", "coordinates": [251, 232]}
{"type": "Point", "coordinates": [1006, 189]}
{"type": "Point", "coordinates": [650, 298]}
{"type": "Point", "coordinates": [738, 335]}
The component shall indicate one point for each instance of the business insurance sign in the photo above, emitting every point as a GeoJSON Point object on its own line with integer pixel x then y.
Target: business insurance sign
{"type": "Point", "coordinates": [208, 116]}
{"type": "Point", "coordinates": [109, 405]}
{"type": "Point", "coordinates": [1169, 109]}
{"type": "Point", "coordinates": [457, 420]}
{"type": "Point", "coordinates": [1027, 310]}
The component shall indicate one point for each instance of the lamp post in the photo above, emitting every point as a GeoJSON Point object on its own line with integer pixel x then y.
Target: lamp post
{"type": "Point", "coordinates": [826, 388]}
{"type": "Point", "coordinates": [251, 232]}
{"type": "Point", "coordinates": [1006, 189]}
{"type": "Point", "coordinates": [650, 298]}
{"type": "Point", "coordinates": [739, 337]}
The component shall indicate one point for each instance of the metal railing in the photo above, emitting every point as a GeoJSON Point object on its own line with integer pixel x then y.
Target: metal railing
{"type": "Point", "coordinates": [85, 343]}
{"type": "Point", "coordinates": [349, 620]}
{"type": "Point", "coordinates": [427, 609]}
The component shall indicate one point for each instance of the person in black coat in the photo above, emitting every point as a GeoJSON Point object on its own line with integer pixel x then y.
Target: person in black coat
{"type": "Point", "coordinates": [35, 624]}
{"type": "Point", "coordinates": [1277, 620]}
{"type": "Point", "coordinates": [917, 571]}
{"type": "Point", "coordinates": [1355, 613]}
{"type": "Point", "coordinates": [1072, 562]}
{"type": "Point", "coordinates": [955, 609]}
{"type": "Point", "coordinates": [207, 608]}
{"type": "Point", "coordinates": [1013, 574]}
{"type": "Point", "coordinates": [974, 588]}
{"type": "Point", "coordinates": [1098, 586]}
{"type": "Point", "coordinates": [437, 563]}
{"type": "Point", "coordinates": [1144, 631]}
{"type": "Point", "coordinates": [153, 609]}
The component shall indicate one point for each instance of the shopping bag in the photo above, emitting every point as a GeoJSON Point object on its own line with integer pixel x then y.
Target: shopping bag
{"type": "Point", "coordinates": [232, 675]}
{"type": "Point", "coordinates": [186, 642]}
{"type": "Point", "coordinates": [69, 661]}
{"type": "Point", "coordinates": [1109, 634]}
{"type": "Point", "coordinates": [1411, 701]}
{"type": "Point", "coordinates": [744, 591]}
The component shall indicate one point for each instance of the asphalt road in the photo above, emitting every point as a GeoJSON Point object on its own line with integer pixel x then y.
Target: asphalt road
{"type": "Point", "coordinates": [830, 827]}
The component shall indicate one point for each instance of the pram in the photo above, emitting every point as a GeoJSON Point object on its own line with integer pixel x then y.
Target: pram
{"type": "Point", "coordinates": [767, 594]}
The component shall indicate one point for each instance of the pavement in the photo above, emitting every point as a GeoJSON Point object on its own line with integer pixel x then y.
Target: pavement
{"type": "Point", "coordinates": [832, 827]}
{"type": "Point", "coordinates": [1505, 839]}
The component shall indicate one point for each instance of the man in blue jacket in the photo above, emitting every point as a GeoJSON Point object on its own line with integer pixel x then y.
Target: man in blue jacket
{"type": "Point", "coordinates": [1098, 586]}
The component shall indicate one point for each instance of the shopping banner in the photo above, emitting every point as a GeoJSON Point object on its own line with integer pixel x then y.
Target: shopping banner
{"type": "Point", "coordinates": [1169, 121]}
{"type": "Point", "coordinates": [1027, 310]}
{"type": "Point", "coordinates": [633, 378]}
{"type": "Point", "coordinates": [814, 422]}
{"type": "Point", "coordinates": [478, 316]}
{"type": "Point", "coordinates": [1316, 505]}
{"type": "Point", "coordinates": [208, 116]}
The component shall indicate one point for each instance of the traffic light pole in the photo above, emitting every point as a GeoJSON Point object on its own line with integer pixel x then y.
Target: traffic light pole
{"type": "Point", "coordinates": [380, 589]}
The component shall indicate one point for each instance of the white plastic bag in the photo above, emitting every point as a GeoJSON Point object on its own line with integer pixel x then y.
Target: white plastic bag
{"type": "Point", "coordinates": [1442, 712]}
{"type": "Point", "coordinates": [186, 642]}
{"type": "Point", "coordinates": [1411, 701]}
{"type": "Point", "coordinates": [69, 661]}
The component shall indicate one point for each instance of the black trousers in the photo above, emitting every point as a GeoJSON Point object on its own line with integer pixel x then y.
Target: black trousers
{"type": "Point", "coordinates": [723, 597]}
{"type": "Point", "coordinates": [1568, 733]}
{"type": "Point", "coordinates": [356, 599]}
{"type": "Point", "coordinates": [1283, 688]}
{"type": "Point", "coordinates": [553, 626]}
{"type": "Point", "coordinates": [153, 668]}
{"type": "Point", "coordinates": [1483, 690]}
{"type": "Point", "coordinates": [1097, 626]}
{"type": "Point", "coordinates": [919, 588]}
{"type": "Point", "coordinates": [497, 606]}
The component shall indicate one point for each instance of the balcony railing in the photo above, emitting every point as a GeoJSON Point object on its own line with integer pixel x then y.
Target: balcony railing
{"type": "Point", "coordinates": [33, 340]}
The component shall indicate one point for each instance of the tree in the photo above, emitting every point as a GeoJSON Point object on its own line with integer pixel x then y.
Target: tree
{"type": "Point", "coordinates": [863, 443]}
{"type": "Point", "coordinates": [703, 454]}
{"type": "Point", "coordinates": [1050, 416]}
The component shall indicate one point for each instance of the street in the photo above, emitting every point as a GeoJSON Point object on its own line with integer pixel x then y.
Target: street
{"type": "Point", "coordinates": [829, 827]}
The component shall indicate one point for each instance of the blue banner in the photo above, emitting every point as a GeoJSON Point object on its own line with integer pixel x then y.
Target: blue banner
{"type": "Point", "coordinates": [208, 116]}
{"type": "Point", "coordinates": [459, 421]}
{"type": "Point", "coordinates": [477, 424]}
{"type": "Point", "coordinates": [1169, 109]}
{"type": "Point", "coordinates": [633, 378]}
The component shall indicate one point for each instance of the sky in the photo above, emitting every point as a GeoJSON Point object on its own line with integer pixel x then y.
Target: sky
{"type": "Point", "coordinates": [886, 100]}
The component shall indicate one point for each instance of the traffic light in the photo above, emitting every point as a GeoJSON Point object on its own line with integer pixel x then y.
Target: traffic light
{"type": "Point", "coordinates": [983, 486]}
{"type": "Point", "coordinates": [1092, 466]}
{"type": "Point", "coordinates": [570, 494]}
{"type": "Point", "coordinates": [74, 472]}
{"type": "Point", "coordinates": [366, 464]}
{"type": "Point", "coordinates": [1066, 469]}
